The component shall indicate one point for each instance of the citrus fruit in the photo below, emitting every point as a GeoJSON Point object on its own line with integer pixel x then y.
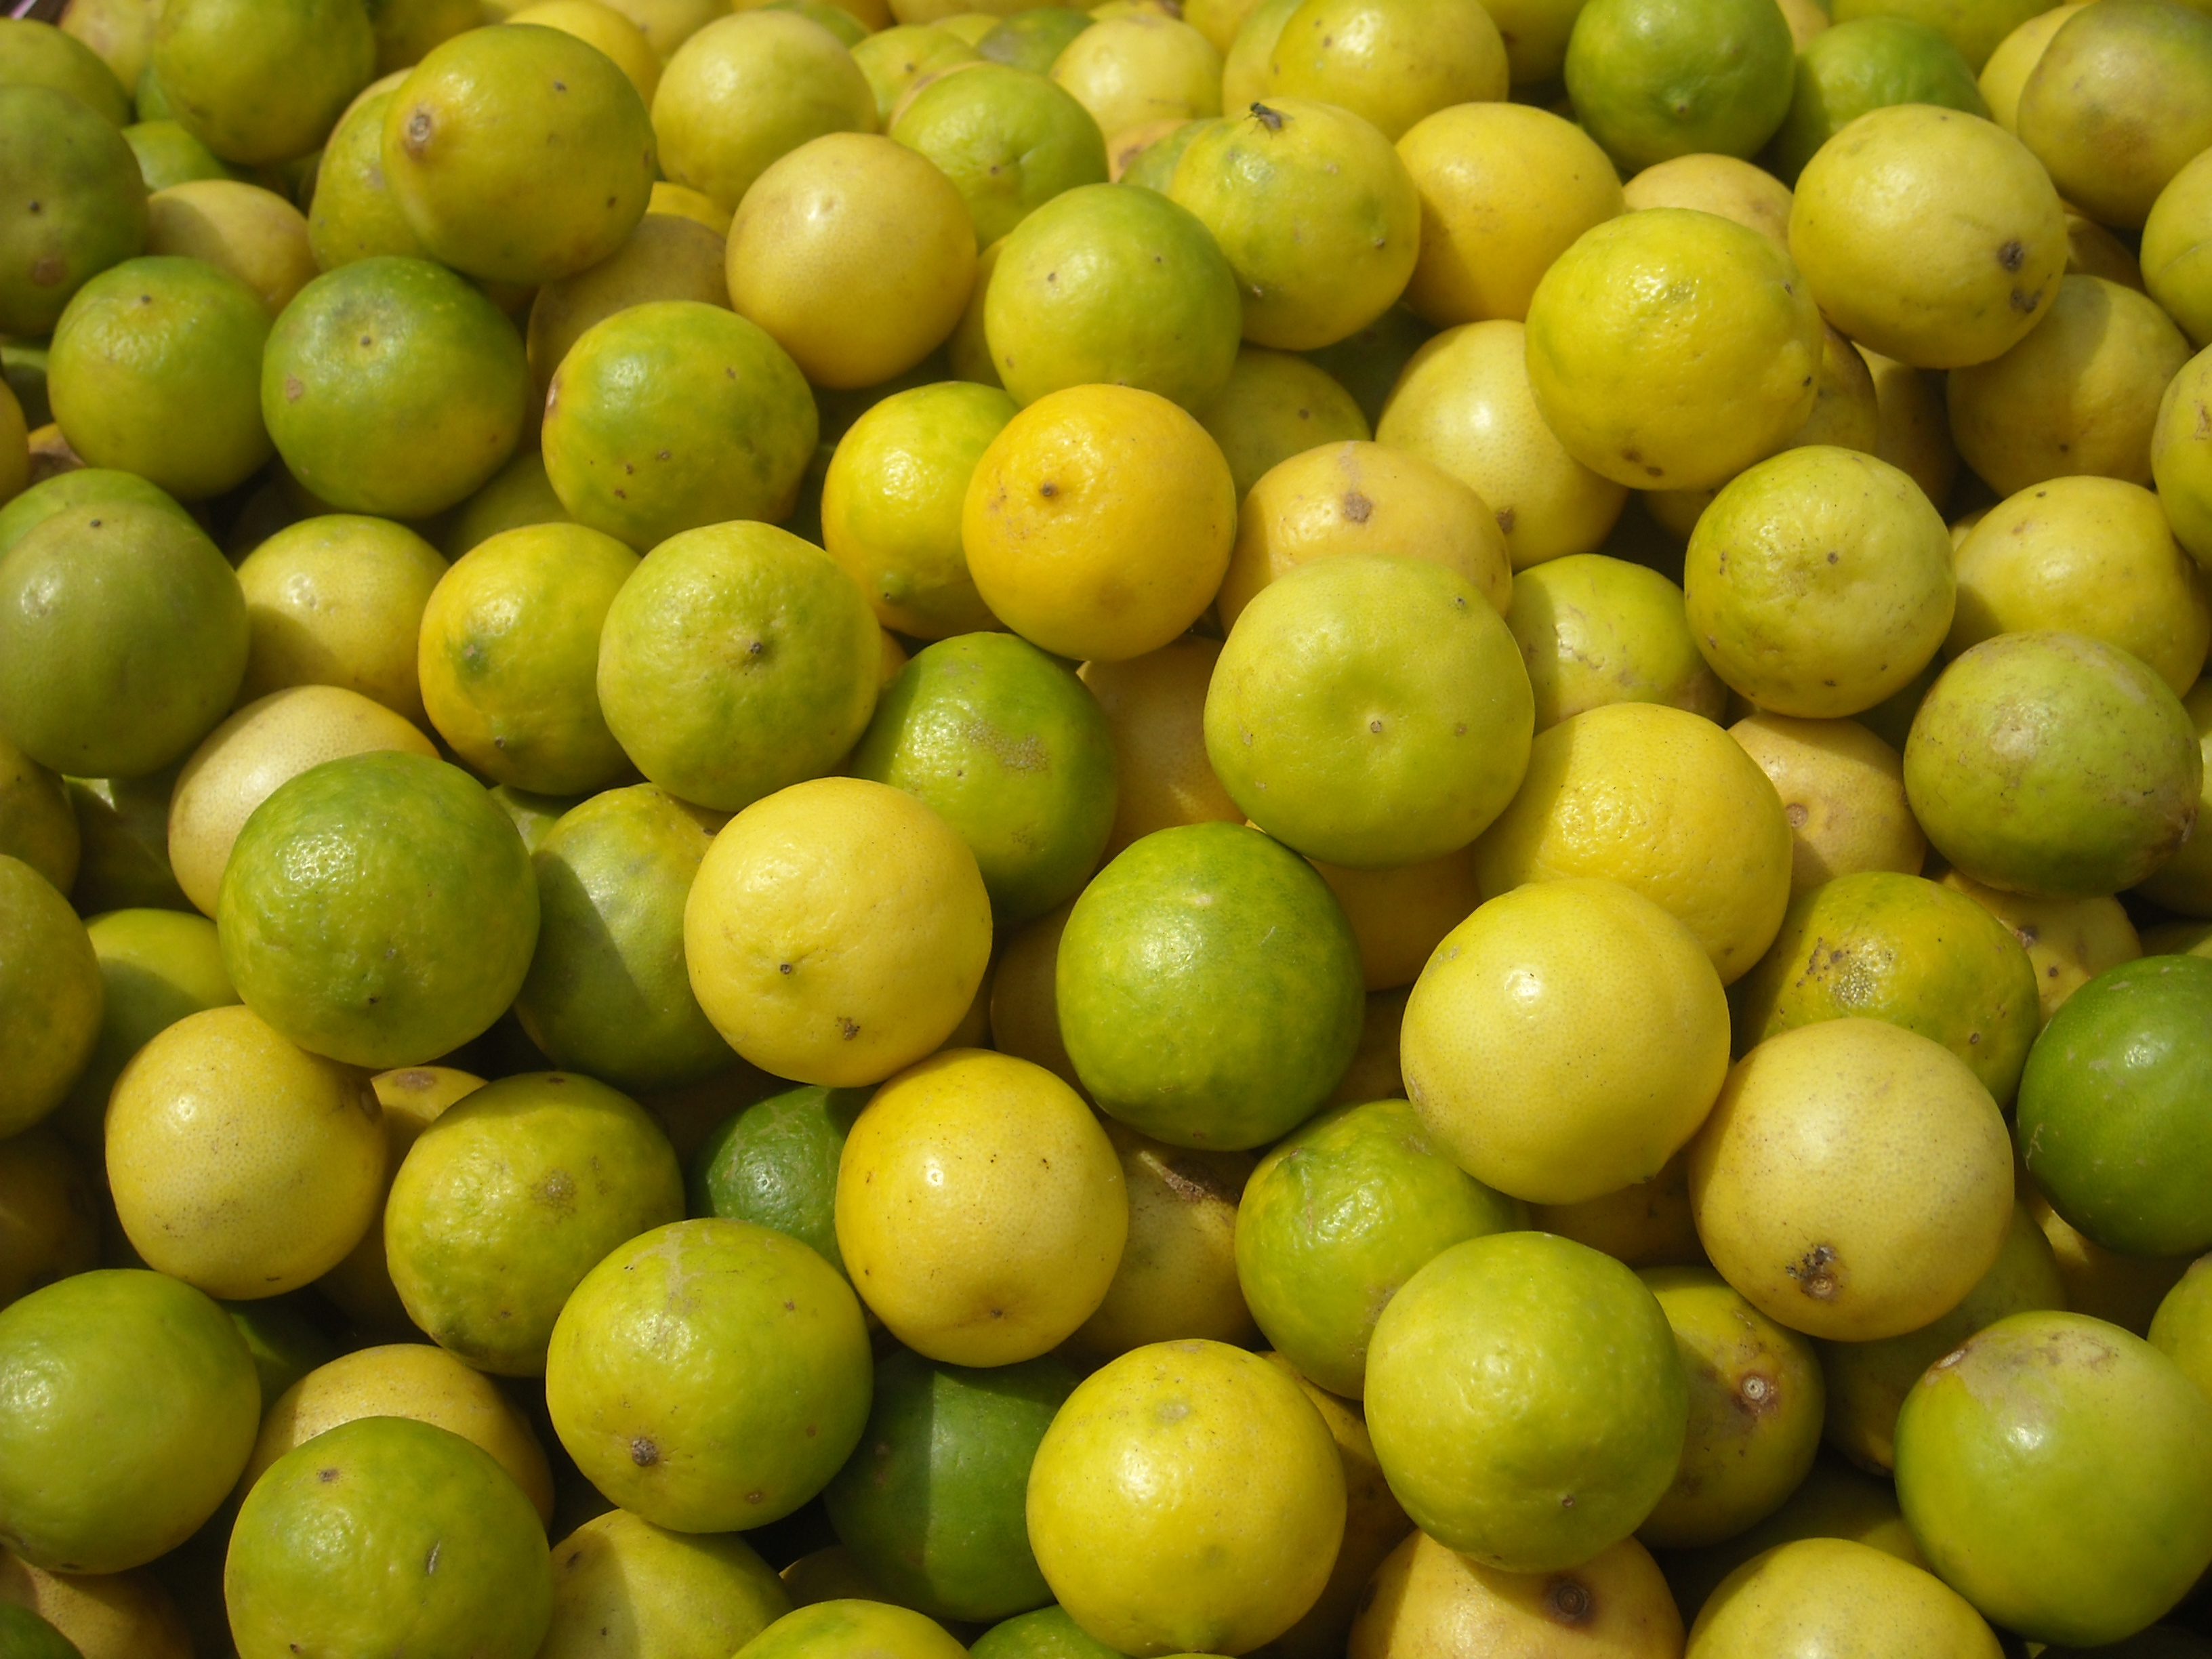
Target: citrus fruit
{"type": "Point", "coordinates": [240, 1163]}
{"type": "Point", "coordinates": [1398, 915]}
{"type": "Point", "coordinates": [855, 254]}
{"type": "Point", "coordinates": [1974, 26]}
{"type": "Point", "coordinates": [1868, 63]}
{"type": "Point", "coordinates": [1724, 185]}
{"type": "Point", "coordinates": [1155, 708]}
{"type": "Point", "coordinates": [1318, 216]}
{"type": "Point", "coordinates": [2007, 66]}
{"type": "Point", "coordinates": [1009, 139]}
{"type": "Point", "coordinates": [32, 1637]}
{"type": "Point", "coordinates": [897, 59]}
{"type": "Point", "coordinates": [667, 24]}
{"type": "Point", "coordinates": [353, 215]}
{"type": "Point", "coordinates": [848, 1624]}
{"type": "Point", "coordinates": [1144, 66]}
{"type": "Point", "coordinates": [711, 408]}
{"type": "Point", "coordinates": [1854, 1181]}
{"type": "Point", "coordinates": [1209, 989]}
{"type": "Point", "coordinates": [837, 931]}
{"type": "Point", "coordinates": [1834, 1501]}
{"type": "Point", "coordinates": [603, 28]}
{"type": "Point", "coordinates": [2070, 941]}
{"type": "Point", "coordinates": [343, 1540]}
{"type": "Point", "coordinates": [2175, 240]}
{"type": "Point", "coordinates": [1646, 1226]}
{"type": "Point", "coordinates": [2091, 782]}
{"type": "Point", "coordinates": [516, 496]}
{"type": "Point", "coordinates": [1032, 38]}
{"type": "Point", "coordinates": [67, 157]}
{"type": "Point", "coordinates": [667, 257]}
{"type": "Point", "coordinates": [1502, 1016]}
{"type": "Point", "coordinates": [50, 1017]}
{"type": "Point", "coordinates": [1430, 1599]}
{"type": "Point", "coordinates": [554, 1158]}
{"type": "Point", "coordinates": [261, 84]}
{"type": "Point", "coordinates": [1655, 79]}
{"type": "Point", "coordinates": [1879, 944]}
{"type": "Point", "coordinates": [1068, 552]}
{"type": "Point", "coordinates": [1276, 406]}
{"type": "Point", "coordinates": [1564, 1383]}
{"type": "Point", "coordinates": [154, 370]}
{"type": "Point", "coordinates": [742, 1419]}
{"type": "Point", "coordinates": [337, 600]}
{"type": "Point", "coordinates": [1047, 1633]}
{"type": "Point", "coordinates": [253, 233]}
{"type": "Point", "coordinates": [1594, 631]}
{"type": "Point", "coordinates": [1661, 800]}
{"type": "Point", "coordinates": [77, 1355]}
{"type": "Point", "coordinates": [79, 488]}
{"type": "Point", "coordinates": [2177, 1330]}
{"type": "Point", "coordinates": [1349, 691]}
{"type": "Point", "coordinates": [1868, 1382]}
{"type": "Point", "coordinates": [157, 967]}
{"type": "Point", "coordinates": [2096, 1435]}
{"type": "Point", "coordinates": [123, 829]}
{"type": "Point", "coordinates": [405, 1379]}
{"type": "Point", "coordinates": [1339, 1214]}
{"type": "Point", "coordinates": [2183, 882]}
{"type": "Point", "coordinates": [1929, 236]}
{"type": "Point", "coordinates": [624, 1589]}
{"type": "Point", "coordinates": [36, 53]}
{"type": "Point", "coordinates": [1117, 286]}
{"type": "Point", "coordinates": [932, 1508]}
{"type": "Point", "coordinates": [48, 1227]}
{"type": "Point", "coordinates": [413, 1098]}
{"type": "Point", "coordinates": [776, 1163]}
{"type": "Point", "coordinates": [386, 952]}
{"type": "Point", "coordinates": [1392, 62]}
{"type": "Point", "coordinates": [2181, 457]}
{"type": "Point", "coordinates": [1834, 1590]}
{"type": "Point", "coordinates": [980, 1209]}
{"type": "Point", "coordinates": [1187, 1495]}
{"type": "Point", "coordinates": [746, 90]}
{"type": "Point", "coordinates": [122, 635]}
{"type": "Point", "coordinates": [1465, 402]}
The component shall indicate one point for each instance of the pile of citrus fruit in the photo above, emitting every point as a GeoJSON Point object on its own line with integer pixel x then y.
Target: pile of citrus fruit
{"type": "Point", "coordinates": [1344, 828]}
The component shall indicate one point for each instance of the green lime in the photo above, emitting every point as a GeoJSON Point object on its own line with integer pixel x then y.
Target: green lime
{"type": "Point", "coordinates": [932, 1508]}
{"type": "Point", "coordinates": [1974, 26]}
{"type": "Point", "coordinates": [2053, 764]}
{"type": "Point", "coordinates": [1009, 139]}
{"type": "Point", "coordinates": [379, 909]}
{"type": "Point", "coordinates": [49, 996]}
{"type": "Point", "coordinates": [2056, 1472]}
{"type": "Point", "coordinates": [1010, 749]}
{"type": "Point", "coordinates": [674, 414]}
{"type": "Point", "coordinates": [738, 659]}
{"type": "Point", "coordinates": [393, 386]}
{"type": "Point", "coordinates": [532, 816]}
{"type": "Point", "coordinates": [99, 1472]}
{"type": "Point", "coordinates": [168, 154]}
{"type": "Point", "coordinates": [828, 1630]}
{"type": "Point", "coordinates": [284, 1340]}
{"type": "Point", "coordinates": [37, 54]}
{"type": "Point", "coordinates": [1047, 1633]}
{"type": "Point", "coordinates": [1103, 284]}
{"type": "Point", "coordinates": [387, 1535]}
{"type": "Point", "coordinates": [607, 993]}
{"type": "Point", "coordinates": [1868, 63]}
{"type": "Point", "coordinates": [154, 369]}
{"type": "Point", "coordinates": [80, 486]}
{"type": "Point", "coordinates": [1370, 710]}
{"type": "Point", "coordinates": [1339, 1215]}
{"type": "Point", "coordinates": [710, 1375]}
{"type": "Point", "coordinates": [1655, 79]}
{"type": "Point", "coordinates": [1881, 945]}
{"type": "Point", "coordinates": [36, 823]}
{"type": "Point", "coordinates": [90, 201]}
{"type": "Point", "coordinates": [261, 81]}
{"type": "Point", "coordinates": [24, 1635]}
{"type": "Point", "coordinates": [123, 829]}
{"type": "Point", "coordinates": [2110, 1120]}
{"type": "Point", "coordinates": [132, 648]}
{"type": "Point", "coordinates": [1209, 987]}
{"type": "Point", "coordinates": [507, 1202]}
{"type": "Point", "coordinates": [510, 655]}
{"type": "Point", "coordinates": [1153, 166]}
{"type": "Point", "coordinates": [1032, 40]}
{"type": "Point", "coordinates": [353, 215]}
{"type": "Point", "coordinates": [516, 496]}
{"type": "Point", "coordinates": [624, 1589]}
{"type": "Point", "coordinates": [775, 1163]}
{"type": "Point", "coordinates": [518, 154]}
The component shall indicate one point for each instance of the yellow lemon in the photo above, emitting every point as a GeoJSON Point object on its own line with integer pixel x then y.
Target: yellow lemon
{"type": "Point", "coordinates": [1842, 792]}
{"type": "Point", "coordinates": [1178, 1275]}
{"type": "Point", "coordinates": [1427, 1600]}
{"type": "Point", "coordinates": [2181, 456]}
{"type": "Point", "coordinates": [624, 1589]}
{"type": "Point", "coordinates": [1390, 62]}
{"type": "Point", "coordinates": [682, 202]}
{"type": "Point", "coordinates": [1155, 708]}
{"type": "Point", "coordinates": [2177, 251]}
{"type": "Point", "coordinates": [667, 257]}
{"type": "Point", "coordinates": [899, 59]}
{"type": "Point", "coordinates": [1144, 67]}
{"type": "Point", "coordinates": [1024, 1007]}
{"type": "Point", "coordinates": [1506, 189]}
{"type": "Point", "coordinates": [1244, 62]}
{"type": "Point", "coordinates": [1662, 801]}
{"type": "Point", "coordinates": [837, 931]}
{"type": "Point", "coordinates": [1733, 189]}
{"type": "Point", "coordinates": [413, 1099]}
{"type": "Point", "coordinates": [1098, 522]}
{"type": "Point", "coordinates": [2183, 882]}
{"type": "Point", "coordinates": [981, 1209]}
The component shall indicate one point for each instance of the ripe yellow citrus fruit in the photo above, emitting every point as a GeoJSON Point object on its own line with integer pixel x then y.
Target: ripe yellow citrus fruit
{"type": "Point", "coordinates": [1155, 708]}
{"type": "Point", "coordinates": [1276, 405]}
{"type": "Point", "coordinates": [1843, 792]}
{"type": "Point", "coordinates": [624, 1589]}
{"type": "Point", "coordinates": [744, 90]}
{"type": "Point", "coordinates": [1819, 1586]}
{"type": "Point", "coordinates": [1178, 1276]}
{"type": "Point", "coordinates": [1428, 1599]}
{"type": "Point", "coordinates": [253, 233]}
{"type": "Point", "coordinates": [1390, 62]}
{"type": "Point", "coordinates": [1145, 66]}
{"type": "Point", "coordinates": [667, 257]}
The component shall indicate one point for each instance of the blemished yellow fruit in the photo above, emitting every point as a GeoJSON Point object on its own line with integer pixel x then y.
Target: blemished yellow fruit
{"type": "Point", "coordinates": [1646, 1226]}
{"type": "Point", "coordinates": [1584, 995]}
{"type": "Point", "coordinates": [1392, 62]}
{"type": "Point", "coordinates": [1428, 1602]}
{"type": "Point", "coordinates": [981, 1210]}
{"type": "Point", "coordinates": [1671, 349]}
{"type": "Point", "coordinates": [1155, 708]}
{"type": "Point", "coordinates": [1464, 402]}
{"type": "Point", "coordinates": [1594, 630]}
{"type": "Point", "coordinates": [253, 233]}
{"type": "Point", "coordinates": [240, 1164]}
{"type": "Point", "coordinates": [837, 931]}
{"type": "Point", "coordinates": [1504, 190]}
{"type": "Point", "coordinates": [1661, 800]}
{"type": "Point", "coordinates": [2184, 883]}
{"type": "Point", "coordinates": [1187, 1498]}
{"type": "Point", "coordinates": [405, 1379]}
{"type": "Point", "coordinates": [2069, 941]}
{"type": "Point", "coordinates": [2014, 59]}
{"type": "Point", "coordinates": [602, 26]}
{"type": "Point", "coordinates": [1854, 1181]}
{"type": "Point", "coordinates": [1098, 522]}
{"type": "Point", "coordinates": [105, 1616]}
{"type": "Point", "coordinates": [1830, 1592]}
{"type": "Point", "coordinates": [241, 763]}
{"type": "Point", "coordinates": [2091, 556]}
{"type": "Point", "coordinates": [1843, 792]}
{"type": "Point", "coordinates": [1733, 189]}
{"type": "Point", "coordinates": [1362, 498]}
{"type": "Point", "coordinates": [901, 58]}
{"type": "Point", "coordinates": [2177, 251]}
{"type": "Point", "coordinates": [1912, 429]}
{"type": "Point", "coordinates": [856, 254]}
{"type": "Point", "coordinates": [1142, 67]}
{"type": "Point", "coordinates": [2078, 395]}
{"type": "Point", "coordinates": [1401, 915]}
{"type": "Point", "coordinates": [1929, 236]}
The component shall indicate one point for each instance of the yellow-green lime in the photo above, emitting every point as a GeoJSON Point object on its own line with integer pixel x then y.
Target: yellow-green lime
{"type": "Point", "coordinates": [776, 1163]}
{"type": "Point", "coordinates": [353, 215]}
{"type": "Point", "coordinates": [516, 496]}
{"type": "Point", "coordinates": [624, 1589]}
{"type": "Point", "coordinates": [1276, 405]}
{"type": "Point", "coordinates": [1833, 1590]}
{"type": "Point", "coordinates": [1868, 63]}
{"type": "Point", "coordinates": [34, 52]}
{"type": "Point", "coordinates": [1655, 79]}
{"type": "Point", "coordinates": [667, 257]}
{"type": "Point", "coordinates": [1008, 138]}
{"type": "Point", "coordinates": [847, 1623]}
{"type": "Point", "coordinates": [1594, 631]}
{"type": "Point", "coordinates": [260, 83]}
{"type": "Point", "coordinates": [50, 1015]}
{"type": "Point", "coordinates": [1389, 62]}
{"type": "Point", "coordinates": [71, 161]}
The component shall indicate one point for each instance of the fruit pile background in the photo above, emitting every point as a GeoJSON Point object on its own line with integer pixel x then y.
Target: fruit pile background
{"type": "Point", "coordinates": [850, 830]}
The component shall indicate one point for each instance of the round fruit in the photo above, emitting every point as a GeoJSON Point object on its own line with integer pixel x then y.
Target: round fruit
{"type": "Point", "coordinates": [847, 1622]}
{"type": "Point", "coordinates": [91, 200]}
{"type": "Point", "coordinates": [49, 1225]}
{"type": "Point", "coordinates": [1428, 1599]}
{"type": "Point", "coordinates": [1868, 63]}
{"type": "Point", "coordinates": [253, 233]}
{"type": "Point", "coordinates": [776, 1163]}
{"type": "Point", "coordinates": [1594, 630]}
{"type": "Point", "coordinates": [1009, 140]}
{"type": "Point", "coordinates": [260, 83]}
{"type": "Point", "coordinates": [1142, 66]}
{"type": "Point", "coordinates": [1389, 62]}
{"type": "Point", "coordinates": [1655, 79]}
{"type": "Point", "coordinates": [158, 966]}
{"type": "Point", "coordinates": [1832, 1590]}
{"type": "Point", "coordinates": [51, 996]}
{"type": "Point", "coordinates": [624, 1583]}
